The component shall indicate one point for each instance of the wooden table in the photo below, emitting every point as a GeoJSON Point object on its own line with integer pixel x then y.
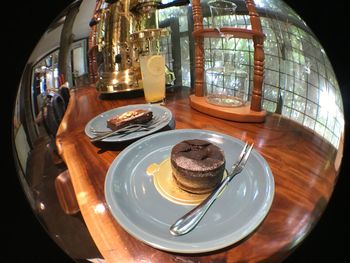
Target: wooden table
{"type": "Point", "coordinates": [303, 165]}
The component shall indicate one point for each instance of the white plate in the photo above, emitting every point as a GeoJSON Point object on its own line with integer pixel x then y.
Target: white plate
{"type": "Point", "coordinates": [144, 213]}
{"type": "Point", "coordinates": [100, 122]}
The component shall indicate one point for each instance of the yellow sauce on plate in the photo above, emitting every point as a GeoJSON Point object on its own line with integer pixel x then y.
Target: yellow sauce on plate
{"type": "Point", "coordinates": [166, 185]}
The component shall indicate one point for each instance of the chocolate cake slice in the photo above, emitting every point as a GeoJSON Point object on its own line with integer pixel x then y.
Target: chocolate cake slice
{"type": "Point", "coordinates": [197, 165]}
{"type": "Point", "coordinates": [129, 117]}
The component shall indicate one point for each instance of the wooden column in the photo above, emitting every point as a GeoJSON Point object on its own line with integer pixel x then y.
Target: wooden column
{"type": "Point", "coordinates": [93, 42]}
{"type": "Point", "coordinates": [66, 40]}
{"type": "Point", "coordinates": [198, 49]}
{"type": "Point", "coordinates": [258, 78]}
{"type": "Point", "coordinates": [259, 57]}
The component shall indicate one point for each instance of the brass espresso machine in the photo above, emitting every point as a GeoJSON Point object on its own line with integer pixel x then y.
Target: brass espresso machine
{"type": "Point", "coordinates": [124, 30]}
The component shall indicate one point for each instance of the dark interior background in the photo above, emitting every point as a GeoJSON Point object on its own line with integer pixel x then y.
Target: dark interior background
{"type": "Point", "coordinates": [26, 241]}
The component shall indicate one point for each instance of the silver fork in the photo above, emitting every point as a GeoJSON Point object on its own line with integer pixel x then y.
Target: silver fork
{"type": "Point", "coordinates": [130, 126]}
{"type": "Point", "coordinates": [137, 129]}
{"type": "Point", "coordinates": [130, 129]}
{"type": "Point", "coordinates": [187, 222]}
{"type": "Point", "coordinates": [126, 128]}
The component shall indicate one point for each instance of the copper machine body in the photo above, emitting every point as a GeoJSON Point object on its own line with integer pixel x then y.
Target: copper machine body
{"type": "Point", "coordinates": [122, 31]}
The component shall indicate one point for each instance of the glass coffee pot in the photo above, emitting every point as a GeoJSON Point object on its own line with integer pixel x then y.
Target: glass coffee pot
{"type": "Point", "coordinates": [226, 83]}
{"type": "Point", "coordinates": [222, 13]}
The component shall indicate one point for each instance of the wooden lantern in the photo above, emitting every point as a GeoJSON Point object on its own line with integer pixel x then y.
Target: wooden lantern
{"type": "Point", "coordinates": [252, 111]}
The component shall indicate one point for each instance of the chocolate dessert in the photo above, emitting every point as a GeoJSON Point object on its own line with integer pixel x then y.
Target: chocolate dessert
{"type": "Point", "coordinates": [129, 117]}
{"type": "Point", "coordinates": [197, 165]}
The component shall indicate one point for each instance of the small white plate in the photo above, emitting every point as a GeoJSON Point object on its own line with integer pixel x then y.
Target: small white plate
{"type": "Point", "coordinates": [99, 122]}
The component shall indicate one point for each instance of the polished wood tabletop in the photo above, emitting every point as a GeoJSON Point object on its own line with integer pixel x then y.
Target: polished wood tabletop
{"type": "Point", "coordinates": [303, 165]}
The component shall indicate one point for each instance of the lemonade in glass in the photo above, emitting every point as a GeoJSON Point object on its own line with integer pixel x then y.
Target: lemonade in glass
{"type": "Point", "coordinates": [153, 77]}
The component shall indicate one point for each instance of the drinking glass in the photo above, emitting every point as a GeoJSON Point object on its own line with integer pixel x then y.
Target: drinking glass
{"type": "Point", "coordinates": [152, 67]}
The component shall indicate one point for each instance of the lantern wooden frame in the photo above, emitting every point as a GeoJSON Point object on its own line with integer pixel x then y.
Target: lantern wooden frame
{"type": "Point", "coordinates": [251, 112]}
